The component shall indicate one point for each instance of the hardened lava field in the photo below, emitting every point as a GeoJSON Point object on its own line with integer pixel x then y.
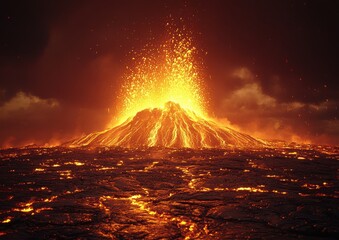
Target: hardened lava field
{"type": "Point", "coordinates": [114, 193]}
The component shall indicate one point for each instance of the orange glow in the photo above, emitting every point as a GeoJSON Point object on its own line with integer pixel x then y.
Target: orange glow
{"type": "Point", "coordinates": [166, 73]}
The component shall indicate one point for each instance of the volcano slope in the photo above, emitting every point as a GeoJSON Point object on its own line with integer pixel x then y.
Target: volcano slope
{"type": "Point", "coordinates": [171, 126]}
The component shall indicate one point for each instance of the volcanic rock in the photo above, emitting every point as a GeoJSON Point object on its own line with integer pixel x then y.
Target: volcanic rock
{"type": "Point", "coordinates": [171, 126]}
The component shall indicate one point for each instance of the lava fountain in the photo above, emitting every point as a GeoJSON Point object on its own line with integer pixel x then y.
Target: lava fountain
{"type": "Point", "coordinates": [163, 103]}
{"type": "Point", "coordinates": [163, 73]}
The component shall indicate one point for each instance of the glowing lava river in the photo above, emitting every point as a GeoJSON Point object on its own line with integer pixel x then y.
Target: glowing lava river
{"type": "Point", "coordinates": [153, 193]}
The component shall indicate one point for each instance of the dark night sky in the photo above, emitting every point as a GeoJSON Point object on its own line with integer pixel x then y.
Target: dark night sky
{"type": "Point", "coordinates": [271, 66]}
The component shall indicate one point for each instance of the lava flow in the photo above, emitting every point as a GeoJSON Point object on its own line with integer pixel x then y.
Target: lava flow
{"type": "Point", "coordinates": [171, 126]}
{"type": "Point", "coordinates": [164, 104]}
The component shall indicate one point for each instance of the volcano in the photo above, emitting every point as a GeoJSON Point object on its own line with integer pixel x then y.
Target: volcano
{"type": "Point", "coordinates": [169, 75]}
{"type": "Point", "coordinates": [171, 126]}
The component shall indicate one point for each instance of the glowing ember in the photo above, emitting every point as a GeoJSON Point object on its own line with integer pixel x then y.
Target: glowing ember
{"type": "Point", "coordinates": [7, 220]}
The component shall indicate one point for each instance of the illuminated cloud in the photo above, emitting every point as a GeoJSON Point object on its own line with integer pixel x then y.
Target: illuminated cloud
{"type": "Point", "coordinates": [250, 94]}
{"type": "Point", "coordinates": [28, 119]}
{"type": "Point", "coordinates": [25, 103]}
{"type": "Point", "coordinates": [250, 109]}
{"type": "Point", "coordinates": [25, 118]}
